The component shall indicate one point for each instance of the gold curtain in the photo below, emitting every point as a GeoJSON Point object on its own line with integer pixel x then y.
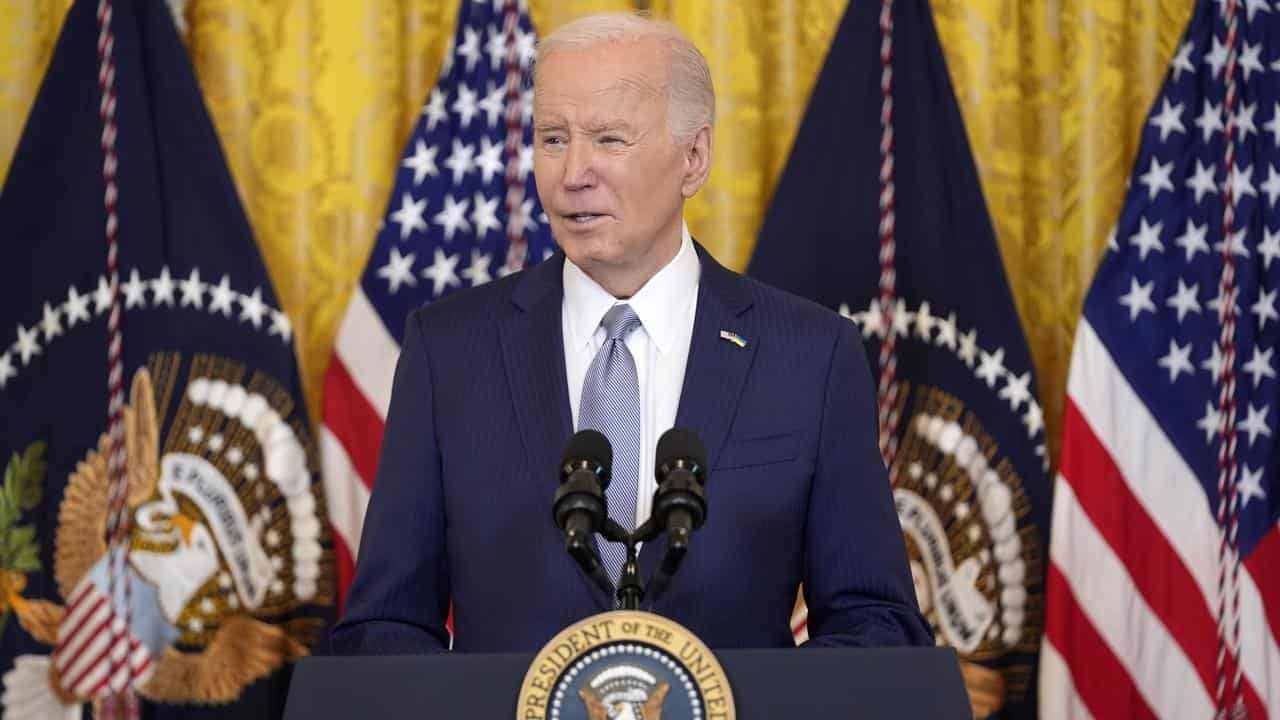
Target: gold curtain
{"type": "Point", "coordinates": [313, 101]}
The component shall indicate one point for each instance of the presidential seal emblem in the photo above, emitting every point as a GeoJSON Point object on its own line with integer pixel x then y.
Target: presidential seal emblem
{"type": "Point", "coordinates": [625, 665]}
{"type": "Point", "coordinates": [226, 545]}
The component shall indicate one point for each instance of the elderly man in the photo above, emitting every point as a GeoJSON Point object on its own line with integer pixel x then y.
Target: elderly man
{"type": "Point", "coordinates": [633, 329]}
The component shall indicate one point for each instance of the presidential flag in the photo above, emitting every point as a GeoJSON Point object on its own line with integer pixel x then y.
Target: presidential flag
{"type": "Point", "coordinates": [462, 212]}
{"type": "Point", "coordinates": [879, 214]}
{"type": "Point", "coordinates": [161, 532]}
{"type": "Point", "coordinates": [1164, 573]}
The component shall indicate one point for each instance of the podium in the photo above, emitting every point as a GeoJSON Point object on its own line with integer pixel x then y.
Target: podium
{"type": "Point", "coordinates": [866, 684]}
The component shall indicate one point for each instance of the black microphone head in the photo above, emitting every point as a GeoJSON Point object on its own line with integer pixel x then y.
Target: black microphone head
{"type": "Point", "coordinates": [591, 446]}
{"type": "Point", "coordinates": [681, 444]}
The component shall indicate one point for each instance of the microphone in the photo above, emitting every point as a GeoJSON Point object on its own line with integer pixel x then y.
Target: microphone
{"type": "Point", "coordinates": [680, 503]}
{"type": "Point", "coordinates": [579, 508]}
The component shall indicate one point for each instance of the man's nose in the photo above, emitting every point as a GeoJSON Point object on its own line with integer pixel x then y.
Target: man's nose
{"type": "Point", "coordinates": [579, 166]}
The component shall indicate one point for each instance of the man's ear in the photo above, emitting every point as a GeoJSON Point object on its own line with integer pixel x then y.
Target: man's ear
{"type": "Point", "coordinates": [697, 162]}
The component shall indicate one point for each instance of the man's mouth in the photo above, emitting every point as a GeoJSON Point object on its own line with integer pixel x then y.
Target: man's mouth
{"type": "Point", "coordinates": [583, 218]}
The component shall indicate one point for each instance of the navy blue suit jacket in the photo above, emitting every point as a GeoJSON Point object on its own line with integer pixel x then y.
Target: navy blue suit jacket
{"type": "Point", "coordinates": [479, 415]}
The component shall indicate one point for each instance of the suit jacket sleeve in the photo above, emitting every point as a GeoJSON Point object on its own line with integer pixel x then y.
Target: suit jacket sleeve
{"type": "Point", "coordinates": [400, 596]}
{"type": "Point", "coordinates": [857, 581]}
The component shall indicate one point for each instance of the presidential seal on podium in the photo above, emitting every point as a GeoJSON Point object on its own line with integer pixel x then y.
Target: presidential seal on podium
{"type": "Point", "coordinates": [625, 665]}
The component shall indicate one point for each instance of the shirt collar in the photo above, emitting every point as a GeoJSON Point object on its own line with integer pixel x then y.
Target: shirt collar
{"type": "Point", "coordinates": [658, 304]}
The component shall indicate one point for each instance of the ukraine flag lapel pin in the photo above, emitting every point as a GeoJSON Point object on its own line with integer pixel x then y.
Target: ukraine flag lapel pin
{"type": "Point", "coordinates": [733, 337]}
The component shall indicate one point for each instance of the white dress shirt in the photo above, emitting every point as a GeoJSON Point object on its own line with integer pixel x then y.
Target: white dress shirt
{"type": "Point", "coordinates": [660, 347]}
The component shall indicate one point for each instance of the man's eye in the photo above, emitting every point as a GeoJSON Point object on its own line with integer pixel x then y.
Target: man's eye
{"type": "Point", "coordinates": [611, 140]}
{"type": "Point", "coordinates": [552, 141]}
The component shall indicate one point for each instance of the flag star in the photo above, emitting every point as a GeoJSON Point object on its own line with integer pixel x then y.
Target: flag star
{"type": "Point", "coordinates": [1259, 366]}
{"type": "Point", "coordinates": [1138, 298]}
{"type": "Point", "coordinates": [434, 109]}
{"type": "Point", "coordinates": [50, 323]}
{"type": "Point", "coordinates": [493, 103]}
{"type": "Point", "coordinates": [470, 48]}
{"type": "Point", "coordinates": [76, 308]}
{"type": "Point", "coordinates": [1250, 59]}
{"type": "Point", "coordinates": [465, 105]}
{"type": "Point", "coordinates": [280, 325]}
{"type": "Point", "coordinates": [947, 332]}
{"type": "Point", "coordinates": [423, 162]}
{"type": "Point", "coordinates": [1217, 302]}
{"type": "Point", "coordinates": [526, 106]}
{"type": "Point", "coordinates": [447, 66]}
{"type": "Point", "coordinates": [1210, 119]}
{"type": "Point", "coordinates": [1255, 424]}
{"type": "Point", "coordinates": [873, 321]}
{"type": "Point", "coordinates": [1271, 186]}
{"type": "Point", "coordinates": [522, 219]}
{"type": "Point", "coordinates": [252, 308]}
{"type": "Point", "coordinates": [1111, 239]}
{"type": "Point", "coordinates": [1156, 178]}
{"type": "Point", "coordinates": [525, 165]}
{"type": "Point", "coordinates": [1217, 57]}
{"type": "Point", "coordinates": [192, 289]}
{"type": "Point", "coordinates": [220, 297]}
{"type": "Point", "coordinates": [1194, 239]}
{"type": "Point", "coordinates": [1210, 423]}
{"type": "Point", "coordinates": [925, 322]}
{"type": "Point", "coordinates": [1169, 120]}
{"type": "Point", "coordinates": [991, 367]}
{"type": "Point", "coordinates": [461, 161]}
{"type": "Point", "coordinates": [162, 287]}
{"type": "Point", "coordinates": [442, 272]}
{"type": "Point", "coordinates": [409, 216]}
{"type": "Point", "coordinates": [526, 47]}
{"type": "Point", "coordinates": [968, 347]}
{"type": "Point", "coordinates": [484, 213]}
{"type": "Point", "coordinates": [453, 217]}
{"type": "Point", "coordinates": [134, 290]}
{"type": "Point", "coordinates": [1255, 5]}
{"type": "Point", "coordinates": [102, 296]}
{"type": "Point", "coordinates": [6, 369]}
{"type": "Point", "coordinates": [496, 47]}
{"type": "Point", "coordinates": [1242, 182]}
{"type": "Point", "coordinates": [1250, 485]}
{"type": "Point", "coordinates": [1265, 308]}
{"type": "Point", "coordinates": [489, 161]}
{"type": "Point", "coordinates": [1269, 248]}
{"type": "Point", "coordinates": [1184, 300]}
{"type": "Point", "coordinates": [1213, 363]}
{"type": "Point", "coordinates": [1178, 360]}
{"type": "Point", "coordinates": [1033, 418]}
{"type": "Point", "coordinates": [398, 270]}
{"type": "Point", "coordinates": [1182, 60]}
{"type": "Point", "coordinates": [478, 271]}
{"type": "Point", "coordinates": [1203, 180]}
{"type": "Point", "coordinates": [1017, 389]}
{"type": "Point", "coordinates": [1147, 238]}
{"type": "Point", "coordinates": [1273, 125]}
{"type": "Point", "coordinates": [902, 318]}
{"type": "Point", "coordinates": [1243, 120]}
{"type": "Point", "coordinates": [27, 345]}
{"type": "Point", "coordinates": [1235, 242]}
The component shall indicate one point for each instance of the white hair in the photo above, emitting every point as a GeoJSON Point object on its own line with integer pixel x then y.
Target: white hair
{"type": "Point", "coordinates": [691, 97]}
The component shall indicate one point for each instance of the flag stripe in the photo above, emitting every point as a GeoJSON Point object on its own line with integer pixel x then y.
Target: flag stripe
{"type": "Point", "coordinates": [368, 351]}
{"type": "Point", "coordinates": [353, 421]}
{"type": "Point", "coordinates": [1165, 585]}
{"type": "Point", "coordinates": [1162, 482]}
{"type": "Point", "coordinates": [1059, 700]}
{"type": "Point", "coordinates": [347, 498]}
{"type": "Point", "coordinates": [1099, 596]}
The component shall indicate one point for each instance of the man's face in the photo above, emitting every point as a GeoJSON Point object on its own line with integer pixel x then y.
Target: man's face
{"type": "Point", "coordinates": [610, 176]}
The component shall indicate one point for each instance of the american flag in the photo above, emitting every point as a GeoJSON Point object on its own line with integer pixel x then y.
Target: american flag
{"type": "Point", "coordinates": [1164, 578]}
{"type": "Point", "coordinates": [463, 210]}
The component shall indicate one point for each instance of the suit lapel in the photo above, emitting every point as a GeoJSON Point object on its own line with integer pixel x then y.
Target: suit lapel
{"type": "Point", "coordinates": [715, 373]}
{"type": "Point", "coordinates": [533, 353]}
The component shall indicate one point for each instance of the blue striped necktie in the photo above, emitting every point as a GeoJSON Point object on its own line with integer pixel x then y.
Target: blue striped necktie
{"type": "Point", "coordinates": [611, 405]}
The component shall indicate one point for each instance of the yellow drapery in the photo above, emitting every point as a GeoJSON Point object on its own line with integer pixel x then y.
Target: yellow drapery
{"type": "Point", "coordinates": [313, 102]}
